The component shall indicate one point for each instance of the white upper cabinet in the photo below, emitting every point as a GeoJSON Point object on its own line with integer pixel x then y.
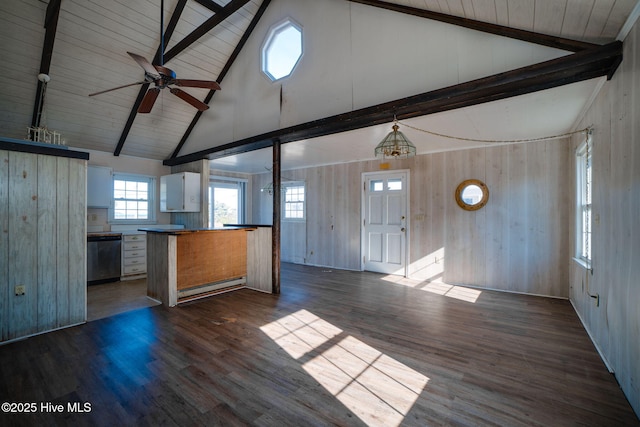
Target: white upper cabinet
{"type": "Point", "coordinates": [99, 187]}
{"type": "Point", "coordinates": [180, 192]}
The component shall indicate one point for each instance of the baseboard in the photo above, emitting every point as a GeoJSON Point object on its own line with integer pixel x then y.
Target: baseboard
{"type": "Point", "coordinates": [40, 333]}
{"type": "Point", "coordinates": [595, 344]}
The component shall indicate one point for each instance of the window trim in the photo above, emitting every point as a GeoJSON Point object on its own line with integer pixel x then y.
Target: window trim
{"type": "Point", "coordinates": [152, 188]}
{"type": "Point", "coordinates": [584, 184]}
{"type": "Point", "coordinates": [271, 33]}
{"type": "Point", "coordinates": [283, 201]}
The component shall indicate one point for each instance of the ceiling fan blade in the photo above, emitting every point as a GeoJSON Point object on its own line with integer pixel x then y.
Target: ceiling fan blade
{"type": "Point", "coordinates": [146, 65]}
{"type": "Point", "coordinates": [206, 84]}
{"type": "Point", "coordinates": [188, 98]}
{"type": "Point", "coordinates": [115, 88]}
{"type": "Point", "coordinates": [149, 99]}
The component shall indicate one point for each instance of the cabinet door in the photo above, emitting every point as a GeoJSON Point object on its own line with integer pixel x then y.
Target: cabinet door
{"type": "Point", "coordinates": [172, 193]}
{"type": "Point", "coordinates": [99, 187]}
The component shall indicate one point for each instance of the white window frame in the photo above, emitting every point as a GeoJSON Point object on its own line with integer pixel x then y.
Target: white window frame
{"type": "Point", "coordinates": [151, 200]}
{"type": "Point", "coordinates": [228, 182]}
{"type": "Point", "coordinates": [284, 202]}
{"type": "Point", "coordinates": [584, 202]}
{"type": "Point", "coordinates": [271, 34]}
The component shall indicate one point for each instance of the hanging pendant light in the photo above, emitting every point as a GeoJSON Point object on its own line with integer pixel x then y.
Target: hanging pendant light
{"type": "Point", "coordinates": [395, 144]}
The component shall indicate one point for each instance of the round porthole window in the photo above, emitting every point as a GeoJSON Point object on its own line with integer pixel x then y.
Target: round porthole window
{"type": "Point", "coordinates": [472, 194]}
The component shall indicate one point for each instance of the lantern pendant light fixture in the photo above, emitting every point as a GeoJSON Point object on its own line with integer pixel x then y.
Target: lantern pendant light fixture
{"type": "Point", "coordinates": [395, 144]}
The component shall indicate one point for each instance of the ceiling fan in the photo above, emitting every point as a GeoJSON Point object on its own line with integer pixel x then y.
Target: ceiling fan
{"type": "Point", "coordinates": [162, 77]}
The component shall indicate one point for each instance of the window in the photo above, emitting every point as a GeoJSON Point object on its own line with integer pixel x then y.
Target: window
{"type": "Point", "coordinates": [293, 205]}
{"type": "Point", "coordinates": [376, 185]}
{"type": "Point", "coordinates": [583, 197]}
{"type": "Point", "coordinates": [227, 201]}
{"type": "Point", "coordinates": [133, 199]}
{"type": "Point", "coordinates": [282, 49]}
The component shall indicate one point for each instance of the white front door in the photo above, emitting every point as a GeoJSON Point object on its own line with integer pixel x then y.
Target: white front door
{"type": "Point", "coordinates": [384, 222]}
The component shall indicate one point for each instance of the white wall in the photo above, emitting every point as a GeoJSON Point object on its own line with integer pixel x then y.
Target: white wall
{"type": "Point", "coordinates": [614, 325]}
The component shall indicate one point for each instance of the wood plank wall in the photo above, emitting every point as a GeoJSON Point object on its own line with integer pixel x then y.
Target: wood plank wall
{"type": "Point", "coordinates": [518, 242]}
{"type": "Point", "coordinates": [42, 243]}
{"type": "Point", "coordinates": [614, 325]}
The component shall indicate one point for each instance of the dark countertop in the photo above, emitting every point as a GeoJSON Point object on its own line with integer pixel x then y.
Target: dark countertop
{"type": "Point", "coordinates": [194, 230]}
{"type": "Point", "coordinates": [25, 146]}
{"type": "Point", "coordinates": [247, 225]}
{"type": "Point", "coordinates": [103, 234]}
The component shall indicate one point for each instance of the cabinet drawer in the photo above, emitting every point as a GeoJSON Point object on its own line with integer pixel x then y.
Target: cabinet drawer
{"type": "Point", "coordinates": [134, 238]}
{"type": "Point", "coordinates": [140, 260]}
{"type": "Point", "coordinates": [135, 246]}
{"type": "Point", "coordinates": [134, 253]}
{"type": "Point", "coordinates": [134, 269]}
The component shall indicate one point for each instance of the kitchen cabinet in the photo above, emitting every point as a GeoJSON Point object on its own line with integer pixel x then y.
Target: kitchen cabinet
{"type": "Point", "coordinates": [134, 256]}
{"type": "Point", "coordinates": [99, 187]}
{"type": "Point", "coordinates": [180, 192]}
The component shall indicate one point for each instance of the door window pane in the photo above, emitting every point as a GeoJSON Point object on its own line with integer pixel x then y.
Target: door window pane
{"type": "Point", "coordinates": [376, 185]}
{"type": "Point", "coordinates": [394, 184]}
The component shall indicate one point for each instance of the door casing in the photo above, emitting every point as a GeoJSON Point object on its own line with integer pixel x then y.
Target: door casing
{"type": "Point", "coordinates": [363, 212]}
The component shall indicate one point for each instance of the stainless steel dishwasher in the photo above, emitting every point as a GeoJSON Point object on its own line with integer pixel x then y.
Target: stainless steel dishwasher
{"type": "Point", "coordinates": [104, 258]}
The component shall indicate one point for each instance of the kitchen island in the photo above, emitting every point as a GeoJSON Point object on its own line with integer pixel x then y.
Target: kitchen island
{"type": "Point", "coordinates": [183, 265]}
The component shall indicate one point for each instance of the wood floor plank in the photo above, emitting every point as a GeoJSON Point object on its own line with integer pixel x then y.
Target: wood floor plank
{"type": "Point", "coordinates": [334, 348]}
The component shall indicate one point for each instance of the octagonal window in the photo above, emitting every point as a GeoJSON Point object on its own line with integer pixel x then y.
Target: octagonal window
{"type": "Point", "coordinates": [282, 50]}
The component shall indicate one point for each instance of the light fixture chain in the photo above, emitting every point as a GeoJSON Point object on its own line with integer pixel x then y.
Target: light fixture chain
{"type": "Point", "coordinates": [497, 141]}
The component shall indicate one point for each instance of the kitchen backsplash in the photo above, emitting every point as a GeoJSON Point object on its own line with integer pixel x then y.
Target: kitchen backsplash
{"type": "Point", "coordinates": [98, 220]}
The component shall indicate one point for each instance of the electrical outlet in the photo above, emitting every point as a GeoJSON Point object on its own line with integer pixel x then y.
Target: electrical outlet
{"type": "Point", "coordinates": [19, 290]}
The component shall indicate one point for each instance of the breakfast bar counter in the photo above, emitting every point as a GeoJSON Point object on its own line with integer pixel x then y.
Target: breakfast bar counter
{"type": "Point", "coordinates": [183, 265]}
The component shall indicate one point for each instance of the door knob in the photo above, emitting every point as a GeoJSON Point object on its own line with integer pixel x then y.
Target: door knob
{"type": "Point", "coordinates": [402, 229]}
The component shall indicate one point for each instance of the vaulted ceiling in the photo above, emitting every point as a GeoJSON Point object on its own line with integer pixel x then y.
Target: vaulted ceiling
{"type": "Point", "coordinates": [83, 45]}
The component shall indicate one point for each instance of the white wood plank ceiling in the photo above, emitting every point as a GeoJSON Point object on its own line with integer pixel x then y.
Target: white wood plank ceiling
{"type": "Point", "coordinates": [594, 21]}
{"type": "Point", "coordinates": [93, 37]}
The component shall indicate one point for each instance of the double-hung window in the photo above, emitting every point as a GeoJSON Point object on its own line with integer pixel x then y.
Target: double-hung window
{"type": "Point", "coordinates": [583, 197]}
{"type": "Point", "coordinates": [133, 199]}
{"type": "Point", "coordinates": [293, 201]}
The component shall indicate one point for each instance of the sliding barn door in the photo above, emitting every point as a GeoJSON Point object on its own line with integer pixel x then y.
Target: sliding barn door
{"type": "Point", "coordinates": [384, 222]}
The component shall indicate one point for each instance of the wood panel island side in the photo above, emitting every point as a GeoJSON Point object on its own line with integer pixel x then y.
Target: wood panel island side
{"type": "Point", "coordinates": [183, 265]}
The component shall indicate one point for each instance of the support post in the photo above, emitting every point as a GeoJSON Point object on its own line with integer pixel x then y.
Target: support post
{"type": "Point", "coordinates": [275, 229]}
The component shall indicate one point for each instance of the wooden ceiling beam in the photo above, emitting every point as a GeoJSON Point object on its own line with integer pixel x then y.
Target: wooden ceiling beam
{"type": "Point", "coordinates": [580, 66]}
{"type": "Point", "coordinates": [500, 30]}
{"type": "Point", "coordinates": [209, 24]}
{"type": "Point", "coordinates": [223, 73]}
{"type": "Point", "coordinates": [211, 5]}
{"type": "Point", "coordinates": [204, 28]}
{"type": "Point", "coordinates": [173, 22]}
{"type": "Point", "coordinates": [51, 27]}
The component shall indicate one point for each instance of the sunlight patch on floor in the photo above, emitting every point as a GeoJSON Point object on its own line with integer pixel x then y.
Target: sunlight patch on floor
{"type": "Point", "coordinates": [453, 291]}
{"type": "Point", "coordinates": [377, 388]}
{"type": "Point", "coordinates": [437, 287]}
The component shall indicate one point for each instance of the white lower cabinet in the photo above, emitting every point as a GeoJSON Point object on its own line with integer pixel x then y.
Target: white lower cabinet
{"type": "Point", "coordinates": [134, 256]}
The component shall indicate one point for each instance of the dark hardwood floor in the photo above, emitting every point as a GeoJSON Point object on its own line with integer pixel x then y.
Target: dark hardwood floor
{"type": "Point", "coordinates": [109, 299]}
{"type": "Point", "coordinates": [335, 348]}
